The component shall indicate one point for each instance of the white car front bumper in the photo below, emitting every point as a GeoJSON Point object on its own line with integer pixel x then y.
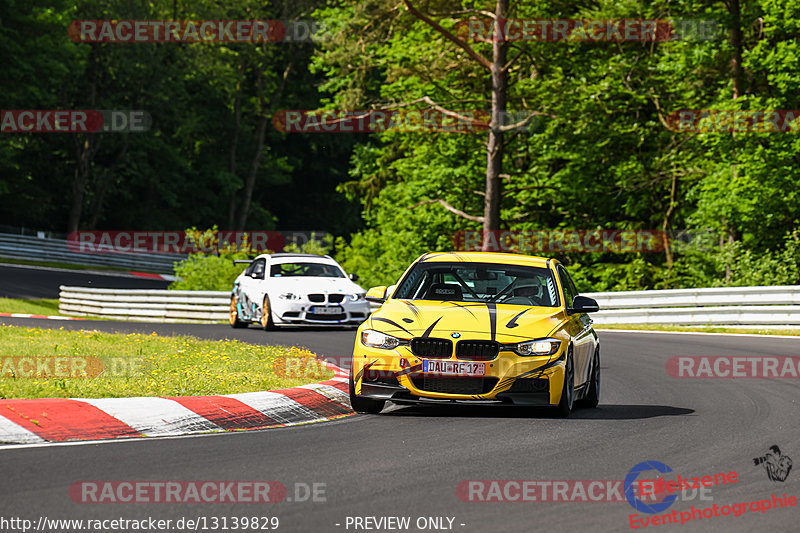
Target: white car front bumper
{"type": "Point", "coordinates": [304, 312]}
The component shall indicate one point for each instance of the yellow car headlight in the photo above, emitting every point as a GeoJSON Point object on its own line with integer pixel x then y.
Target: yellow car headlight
{"type": "Point", "coordinates": [376, 339]}
{"type": "Point", "coordinates": [538, 347]}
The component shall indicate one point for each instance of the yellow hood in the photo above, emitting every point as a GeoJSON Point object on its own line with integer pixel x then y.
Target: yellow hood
{"type": "Point", "coordinates": [501, 322]}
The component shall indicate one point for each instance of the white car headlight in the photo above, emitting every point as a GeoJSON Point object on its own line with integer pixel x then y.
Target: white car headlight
{"type": "Point", "coordinates": [288, 296]}
{"type": "Point", "coordinates": [376, 339]}
{"type": "Point", "coordinates": [357, 297]}
{"type": "Point", "coordinates": [538, 347]}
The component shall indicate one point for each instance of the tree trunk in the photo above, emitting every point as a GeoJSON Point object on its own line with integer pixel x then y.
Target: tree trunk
{"type": "Point", "coordinates": [495, 148]}
{"type": "Point", "coordinates": [264, 117]}
{"type": "Point", "coordinates": [736, 67]}
{"type": "Point", "coordinates": [84, 155]}
{"type": "Point", "coordinates": [237, 115]}
{"type": "Point", "coordinates": [105, 184]}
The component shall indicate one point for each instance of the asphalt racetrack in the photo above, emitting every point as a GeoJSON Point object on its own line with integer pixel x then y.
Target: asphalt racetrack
{"type": "Point", "coordinates": [30, 282]}
{"type": "Point", "coordinates": [409, 461]}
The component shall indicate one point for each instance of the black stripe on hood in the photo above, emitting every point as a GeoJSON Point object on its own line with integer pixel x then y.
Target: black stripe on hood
{"type": "Point", "coordinates": [492, 318]}
{"type": "Point", "coordinates": [392, 322]}
{"type": "Point", "coordinates": [430, 328]}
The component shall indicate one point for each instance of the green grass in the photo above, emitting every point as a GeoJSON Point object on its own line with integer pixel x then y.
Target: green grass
{"type": "Point", "coordinates": [91, 364]}
{"type": "Point", "coordinates": [705, 329]}
{"type": "Point", "coordinates": [31, 307]}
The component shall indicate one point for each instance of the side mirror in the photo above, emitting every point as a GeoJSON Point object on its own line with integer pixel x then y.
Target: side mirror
{"type": "Point", "coordinates": [583, 304]}
{"type": "Point", "coordinates": [377, 294]}
{"type": "Point", "coordinates": [353, 277]}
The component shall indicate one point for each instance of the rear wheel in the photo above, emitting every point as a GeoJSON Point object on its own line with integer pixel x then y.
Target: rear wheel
{"type": "Point", "coordinates": [234, 315]}
{"type": "Point", "coordinates": [363, 405]}
{"type": "Point", "coordinates": [266, 315]}
{"type": "Point", "coordinates": [568, 390]}
{"type": "Point", "coordinates": [593, 394]}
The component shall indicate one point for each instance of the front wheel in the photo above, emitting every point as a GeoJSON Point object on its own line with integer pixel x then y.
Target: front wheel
{"type": "Point", "coordinates": [568, 390]}
{"type": "Point", "coordinates": [593, 394]}
{"type": "Point", "coordinates": [363, 405]}
{"type": "Point", "coordinates": [234, 315]}
{"type": "Point", "coordinates": [266, 315]}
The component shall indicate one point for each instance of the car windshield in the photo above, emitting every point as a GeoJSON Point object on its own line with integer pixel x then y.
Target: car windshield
{"type": "Point", "coordinates": [479, 282]}
{"type": "Point", "coordinates": [311, 270]}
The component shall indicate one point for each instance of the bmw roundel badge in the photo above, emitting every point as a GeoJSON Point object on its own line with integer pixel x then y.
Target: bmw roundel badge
{"type": "Point", "coordinates": [455, 334]}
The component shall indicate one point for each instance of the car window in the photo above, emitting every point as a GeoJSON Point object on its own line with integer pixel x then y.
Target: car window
{"type": "Point", "coordinates": [315, 270]}
{"type": "Point", "coordinates": [567, 286]}
{"type": "Point", "coordinates": [259, 265]}
{"type": "Point", "coordinates": [479, 282]}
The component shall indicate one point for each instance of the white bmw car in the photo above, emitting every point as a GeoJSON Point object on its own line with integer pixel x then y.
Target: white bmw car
{"type": "Point", "coordinates": [296, 289]}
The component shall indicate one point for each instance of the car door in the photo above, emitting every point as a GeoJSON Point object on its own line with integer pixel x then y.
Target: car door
{"type": "Point", "coordinates": [252, 288]}
{"type": "Point", "coordinates": [578, 328]}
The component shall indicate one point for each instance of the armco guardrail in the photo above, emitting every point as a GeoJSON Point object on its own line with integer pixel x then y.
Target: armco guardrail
{"type": "Point", "coordinates": [45, 249]}
{"type": "Point", "coordinates": [145, 305]}
{"type": "Point", "coordinates": [774, 306]}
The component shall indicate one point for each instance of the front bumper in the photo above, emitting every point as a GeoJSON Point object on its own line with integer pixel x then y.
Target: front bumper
{"type": "Point", "coordinates": [509, 379]}
{"type": "Point", "coordinates": [402, 395]}
{"type": "Point", "coordinates": [301, 312]}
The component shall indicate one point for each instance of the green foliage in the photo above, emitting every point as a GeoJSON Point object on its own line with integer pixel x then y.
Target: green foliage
{"type": "Point", "coordinates": [212, 268]}
{"type": "Point", "coordinates": [318, 246]}
{"type": "Point", "coordinates": [598, 155]}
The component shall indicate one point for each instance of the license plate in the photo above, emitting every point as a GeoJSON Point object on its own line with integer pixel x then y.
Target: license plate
{"type": "Point", "coordinates": [453, 368]}
{"type": "Point", "coordinates": [326, 310]}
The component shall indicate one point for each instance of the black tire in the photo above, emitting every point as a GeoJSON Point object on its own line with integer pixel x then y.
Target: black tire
{"type": "Point", "coordinates": [266, 315]}
{"type": "Point", "coordinates": [568, 390]}
{"type": "Point", "coordinates": [363, 405]}
{"type": "Point", "coordinates": [592, 397]}
{"type": "Point", "coordinates": [234, 315]}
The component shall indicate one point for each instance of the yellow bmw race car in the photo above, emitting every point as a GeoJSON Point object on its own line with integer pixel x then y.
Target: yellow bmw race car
{"type": "Point", "coordinates": [478, 328]}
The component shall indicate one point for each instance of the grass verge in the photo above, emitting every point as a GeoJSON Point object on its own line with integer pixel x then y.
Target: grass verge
{"type": "Point", "coordinates": [704, 329]}
{"type": "Point", "coordinates": [31, 307]}
{"type": "Point", "coordinates": [56, 363]}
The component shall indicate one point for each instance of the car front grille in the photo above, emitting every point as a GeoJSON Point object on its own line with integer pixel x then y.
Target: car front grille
{"type": "Point", "coordinates": [316, 298]}
{"type": "Point", "coordinates": [477, 350]}
{"type": "Point", "coordinates": [453, 385]}
{"type": "Point", "coordinates": [335, 298]}
{"type": "Point", "coordinates": [432, 348]}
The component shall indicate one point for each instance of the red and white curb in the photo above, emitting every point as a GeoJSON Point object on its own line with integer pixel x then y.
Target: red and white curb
{"type": "Point", "coordinates": [48, 317]}
{"type": "Point", "coordinates": [72, 419]}
{"type": "Point", "coordinates": [149, 275]}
